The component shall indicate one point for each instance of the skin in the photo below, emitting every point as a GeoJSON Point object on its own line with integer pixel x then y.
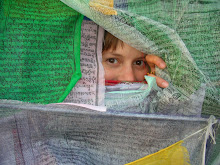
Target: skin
{"type": "Point", "coordinates": [128, 64]}
{"type": "Point", "coordinates": [153, 61]}
{"type": "Point", "coordinates": [124, 64]}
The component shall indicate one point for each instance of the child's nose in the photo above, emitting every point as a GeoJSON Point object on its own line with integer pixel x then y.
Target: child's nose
{"type": "Point", "coordinates": [127, 75]}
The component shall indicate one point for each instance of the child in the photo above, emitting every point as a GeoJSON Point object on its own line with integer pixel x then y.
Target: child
{"type": "Point", "coordinates": [122, 62]}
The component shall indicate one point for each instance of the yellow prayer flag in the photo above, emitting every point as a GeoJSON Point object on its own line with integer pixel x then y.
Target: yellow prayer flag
{"type": "Point", "coordinates": [103, 6]}
{"type": "Point", "coordinates": [175, 154]}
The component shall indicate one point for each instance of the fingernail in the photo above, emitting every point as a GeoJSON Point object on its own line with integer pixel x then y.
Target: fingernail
{"type": "Point", "coordinates": [165, 84]}
{"type": "Point", "coordinates": [162, 65]}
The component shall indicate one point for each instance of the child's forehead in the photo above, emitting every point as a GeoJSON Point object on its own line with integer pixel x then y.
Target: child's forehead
{"type": "Point", "coordinates": [128, 49]}
{"type": "Point", "coordinates": [114, 45]}
{"type": "Point", "coordinates": [124, 51]}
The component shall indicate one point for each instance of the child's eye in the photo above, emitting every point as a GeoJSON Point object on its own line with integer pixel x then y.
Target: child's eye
{"type": "Point", "coordinates": [112, 60]}
{"type": "Point", "coordinates": [139, 62]}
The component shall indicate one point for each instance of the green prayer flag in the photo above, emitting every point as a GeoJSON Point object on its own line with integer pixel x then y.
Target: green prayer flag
{"type": "Point", "coordinates": [40, 50]}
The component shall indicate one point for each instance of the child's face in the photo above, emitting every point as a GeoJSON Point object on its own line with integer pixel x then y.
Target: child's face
{"type": "Point", "coordinates": [124, 64]}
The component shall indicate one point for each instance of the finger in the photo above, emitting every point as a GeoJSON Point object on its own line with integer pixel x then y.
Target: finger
{"type": "Point", "coordinates": [152, 67]}
{"type": "Point", "coordinates": [155, 60]}
{"type": "Point", "coordinates": [160, 82]}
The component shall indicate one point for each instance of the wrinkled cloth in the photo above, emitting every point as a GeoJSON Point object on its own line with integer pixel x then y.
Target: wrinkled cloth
{"type": "Point", "coordinates": [39, 134]}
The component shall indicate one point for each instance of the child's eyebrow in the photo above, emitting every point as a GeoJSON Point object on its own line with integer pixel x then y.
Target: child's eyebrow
{"type": "Point", "coordinates": [114, 54]}
{"type": "Point", "coordinates": [140, 58]}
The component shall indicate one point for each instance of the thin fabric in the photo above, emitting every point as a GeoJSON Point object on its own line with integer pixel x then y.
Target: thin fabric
{"type": "Point", "coordinates": [185, 33]}
{"type": "Point", "coordinates": [40, 63]}
{"type": "Point", "coordinates": [39, 50]}
{"type": "Point", "coordinates": [170, 155]}
{"type": "Point", "coordinates": [132, 101]}
{"type": "Point", "coordinates": [63, 134]}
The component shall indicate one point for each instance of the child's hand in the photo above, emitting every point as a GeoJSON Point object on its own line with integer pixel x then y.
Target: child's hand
{"type": "Point", "coordinates": [153, 60]}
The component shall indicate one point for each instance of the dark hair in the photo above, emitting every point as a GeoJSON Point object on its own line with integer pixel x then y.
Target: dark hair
{"type": "Point", "coordinates": [111, 42]}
